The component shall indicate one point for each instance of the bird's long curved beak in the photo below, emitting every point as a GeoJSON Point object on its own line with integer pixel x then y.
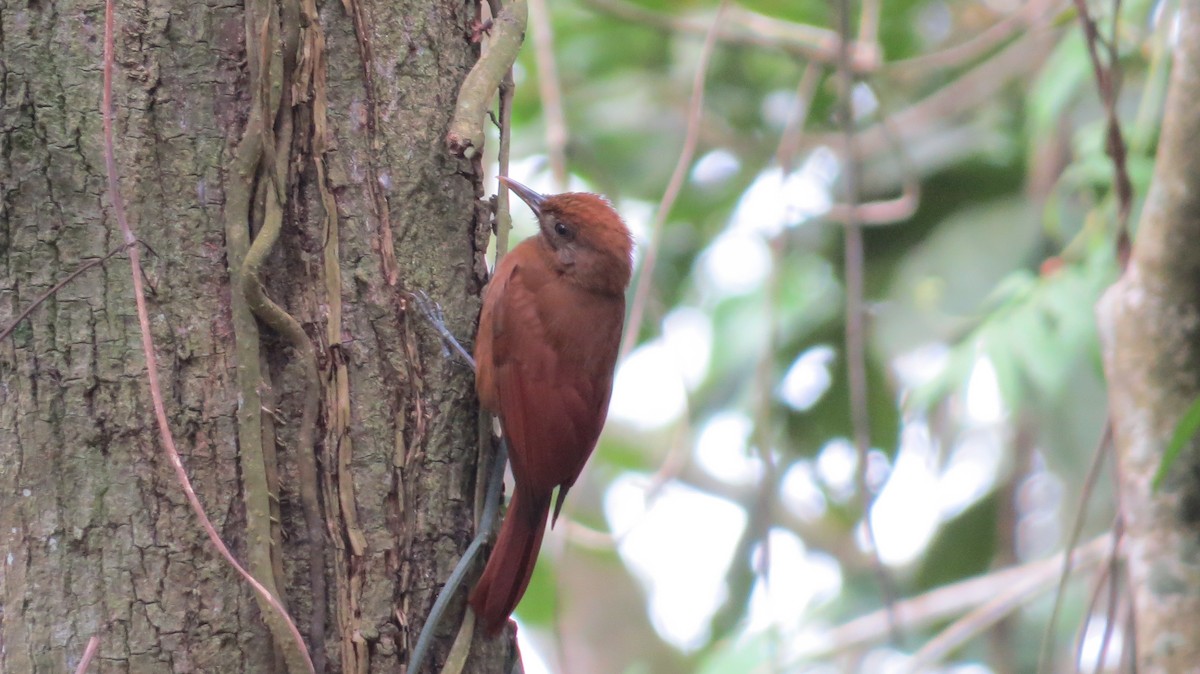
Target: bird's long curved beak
{"type": "Point", "coordinates": [533, 199]}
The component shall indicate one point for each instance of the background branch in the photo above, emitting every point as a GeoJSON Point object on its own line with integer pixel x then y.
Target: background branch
{"type": "Point", "coordinates": [645, 277]}
{"type": "Point", "coordinates": [743, 27]}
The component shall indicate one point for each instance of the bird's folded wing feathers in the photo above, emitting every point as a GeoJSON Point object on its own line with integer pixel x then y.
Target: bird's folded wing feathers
{"type": "Point", "coordinates": [552, 378]}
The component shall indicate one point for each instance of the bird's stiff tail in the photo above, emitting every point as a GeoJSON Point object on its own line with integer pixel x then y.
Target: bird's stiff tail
{"type": "Point", "coordinates": [511, 565]}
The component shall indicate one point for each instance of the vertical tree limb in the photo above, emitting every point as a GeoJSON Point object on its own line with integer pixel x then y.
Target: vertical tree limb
{"type": "Point", "coordinates": [855, 333]}
{"type": "Point", "coordinates": [1150, 330]}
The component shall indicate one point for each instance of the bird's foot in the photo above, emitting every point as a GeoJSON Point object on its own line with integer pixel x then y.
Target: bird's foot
{"type": "Point", "coordinates": [433, 313]}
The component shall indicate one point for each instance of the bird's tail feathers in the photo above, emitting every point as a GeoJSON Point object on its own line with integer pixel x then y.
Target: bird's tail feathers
{"type": "Point", "coordinates": [511, 564]}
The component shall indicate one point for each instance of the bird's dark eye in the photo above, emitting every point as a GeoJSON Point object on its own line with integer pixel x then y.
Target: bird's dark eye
{"type": "Point", "coordinates": [562, 230]}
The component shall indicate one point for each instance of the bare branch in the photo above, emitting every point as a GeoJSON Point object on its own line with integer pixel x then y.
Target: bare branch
{"type": "Point", "coordinates": [1033, 15]}
{"type": "Point", "coordinates": [1000, 592]}
{"type": "Point", "coordinates": [1089, 484]}
{"type": "Point", "coordinates": [1106, 82]}
{"type": "Point", "coordinates": [641, 292]}
{"type": "Point", "coordinates": [855, 338]}
{"type": "Point", "coordinates": [793, 131]}
{"type": "Point", "coordinates": [1021, 585]}
{"type": "Point", "coordinates": [550, 91]}
{"type": "Point", "coordinates": [741, 26]}
{"type": "Point", "coordinates": [960, 97]}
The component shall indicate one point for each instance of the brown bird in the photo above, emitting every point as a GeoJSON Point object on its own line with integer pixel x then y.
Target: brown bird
{"type": "Point", "coordinates": [545, 353]}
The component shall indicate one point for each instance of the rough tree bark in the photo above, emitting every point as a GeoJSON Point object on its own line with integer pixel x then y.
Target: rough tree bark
{"type": "Point", "coordinates": [1150, 324]}
{"type": "Point", "coordinates": [326, 121]}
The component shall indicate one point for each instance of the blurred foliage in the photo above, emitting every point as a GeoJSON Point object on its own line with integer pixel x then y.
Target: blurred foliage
{"type": "Point", "coordinates": [983, 358]}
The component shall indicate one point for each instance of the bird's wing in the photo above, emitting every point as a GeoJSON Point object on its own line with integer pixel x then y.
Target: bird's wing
{"type": "Point", "coordinates": [553, 349]}
{"type": "Point", "coordinates": [485, 338]}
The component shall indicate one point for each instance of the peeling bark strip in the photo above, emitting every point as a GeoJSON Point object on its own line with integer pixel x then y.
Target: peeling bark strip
{"type": "Point", "coordinates": [1150, 325]}
{"type": "Point", "coordinates": [387, 250]}
{"type": "Point", "coordinates": [232, 124]}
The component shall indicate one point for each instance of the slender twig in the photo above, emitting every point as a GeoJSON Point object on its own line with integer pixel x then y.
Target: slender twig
{"type": "Point", "coordinates": [59, 286]}
{"type": "Point", "coordinates": [1081, 637]}
{"type": "Point", "coordinates": [89, 653]}
{"type": "Point", "coordinates": [851, 174]}
{"type": "Point", "coordinates": [1089, 485]}
{"type": "Point", "coordinates": [868, 25]}
{"type": "Point", "coordinates": [1013, 586]}
{"type": "Point", "coordinates": [1031, 16]}
{"type": "Point", "coordinates": [641, 293]}
{"type": "Point", "coordinates": [789, 140]}
{"type": "Point", "coordinates": [1003, 600]}
{"type": "Point", "coordinates": [1114, 600]}
{"type": "Point", "coordinates": [956, 98]}
{"type": "Point", "coordinates": [1107, 579]}
{"type": "Point", "coordinates": [502, 214]}
{"type": "Point", "coordinates": [747, 567]}
{"type": "Point", "coordinates": [764, 403]}
{"type": "Point", "coordinates": [763, 511]}
{"type": "Point", "coordinates": [1106, 83]}
{"type": "Point", "coordinates": [1130, 629]}
{"type": "Point", "coordinates": [549, 91]}
{"type": "Point", "coordinates": [160, 413]}
{"type": "Point", "coordinates": [885, 211]}
{"type": "Point", "coordinates": [744, 27]}
{"type": "Point", "coordinates": [855, 340]}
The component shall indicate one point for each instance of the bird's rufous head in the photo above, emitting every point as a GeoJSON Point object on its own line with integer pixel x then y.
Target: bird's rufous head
{"type": "Point", "coordinates": [585, 233]}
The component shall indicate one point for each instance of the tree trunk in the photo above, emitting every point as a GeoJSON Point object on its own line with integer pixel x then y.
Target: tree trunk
{"type": "Point", "coordinates": [1150, 322]}
{"type": "Point", "coordinates": [332, 441]}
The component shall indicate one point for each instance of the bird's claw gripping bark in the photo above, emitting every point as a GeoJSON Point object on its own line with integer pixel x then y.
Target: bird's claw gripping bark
{"type": "Point", "coordinates": [432, 312]}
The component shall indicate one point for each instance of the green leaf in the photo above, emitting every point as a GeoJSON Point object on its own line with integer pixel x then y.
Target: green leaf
{"type": "Point", "coordinates": [1185, 430]}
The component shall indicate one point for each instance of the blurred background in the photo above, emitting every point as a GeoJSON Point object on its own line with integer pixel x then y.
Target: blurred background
{"type": "Point", "coordinates": [728, 521]}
